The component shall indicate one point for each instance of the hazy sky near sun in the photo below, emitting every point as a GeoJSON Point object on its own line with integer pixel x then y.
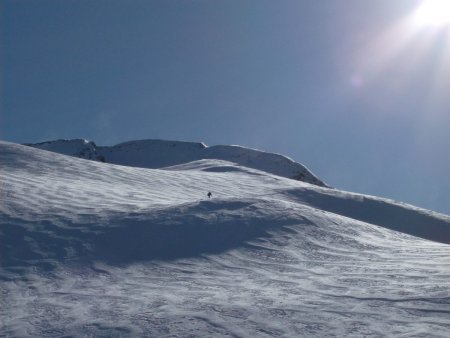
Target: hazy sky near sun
{"type": "Point", "coordinates": [358, 91]}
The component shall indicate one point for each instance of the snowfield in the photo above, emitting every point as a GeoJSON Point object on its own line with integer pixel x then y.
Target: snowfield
{"type": "Point", "coordinates": [97, 249]}
{"type": "Point", "coordinates": [156, 154]}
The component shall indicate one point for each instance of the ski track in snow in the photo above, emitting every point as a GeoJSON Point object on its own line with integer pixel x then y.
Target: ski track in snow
{"type": "Point", "coordinates": [92, 249]}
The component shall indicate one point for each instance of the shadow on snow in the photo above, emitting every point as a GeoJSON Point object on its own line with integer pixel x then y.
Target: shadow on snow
{"type": "Point", "coordinates": [188, 231]}
{"type": "Point", "coordinates": [398, 217]}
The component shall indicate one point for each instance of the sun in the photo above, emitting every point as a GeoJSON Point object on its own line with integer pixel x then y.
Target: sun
{"type": "Point", "coordinates": [433, 13]}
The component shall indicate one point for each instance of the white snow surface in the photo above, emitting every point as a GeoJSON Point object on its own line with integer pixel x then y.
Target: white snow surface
{"type": "Point", "coordinates": [161, 153]}
{"type": "Point", "coordinates": [95, 249]}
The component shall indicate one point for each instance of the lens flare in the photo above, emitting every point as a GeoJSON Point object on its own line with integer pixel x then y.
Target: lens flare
{"type": "Point", "coordinates": [433, 13]}
{"type": "Point", "coordinates": [410, 54]}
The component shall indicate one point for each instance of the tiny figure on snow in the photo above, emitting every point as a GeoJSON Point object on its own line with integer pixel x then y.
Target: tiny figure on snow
{"type": "Point", "coordinates": [209, 194]}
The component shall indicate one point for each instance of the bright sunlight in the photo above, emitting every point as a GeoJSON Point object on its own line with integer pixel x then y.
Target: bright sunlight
{"type": "Point", "coordinates": [433, 13]}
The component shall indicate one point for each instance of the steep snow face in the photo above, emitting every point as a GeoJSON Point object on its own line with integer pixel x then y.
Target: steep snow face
{"type": "Point", "coordinates": [94, 249]}
{"type": "Point", "coordinates": [160, 153]}
{"type": "Point", "coordinates": [268, 162]}
{"type": "Point", "coordinates": [77, 147]}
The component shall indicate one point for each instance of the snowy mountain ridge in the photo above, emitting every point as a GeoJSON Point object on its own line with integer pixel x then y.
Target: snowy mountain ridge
{"type": "Point", "coordinates": [94, 249]}
{"type": "Point", "coordinates": [161, 153]}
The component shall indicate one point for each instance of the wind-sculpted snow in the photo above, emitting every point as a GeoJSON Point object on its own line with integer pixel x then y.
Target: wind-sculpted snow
{"type": "Point", "coordinates": [94, 249]}
{"type": "Point", "coordinates": [160, 153]}
{"type": "Point", "coordinates": [393, 215]}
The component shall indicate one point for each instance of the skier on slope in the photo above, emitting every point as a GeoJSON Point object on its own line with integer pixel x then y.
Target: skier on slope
{"type": "Point", "coordinates": [209, 194]}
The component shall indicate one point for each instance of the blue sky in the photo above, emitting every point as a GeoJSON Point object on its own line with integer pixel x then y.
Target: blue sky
{"type": "Point", "coordinates": [356, 90]}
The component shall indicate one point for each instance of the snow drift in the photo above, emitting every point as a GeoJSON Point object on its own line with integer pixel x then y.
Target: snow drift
{"type": "Point", "coordinates": [95, 249]}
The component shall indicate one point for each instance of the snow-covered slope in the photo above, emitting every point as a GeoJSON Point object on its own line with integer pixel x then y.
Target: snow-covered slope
{"type": "Point", "coordinates": [159, 153]}
{"type": "Point", "coordinates": [94, 249]}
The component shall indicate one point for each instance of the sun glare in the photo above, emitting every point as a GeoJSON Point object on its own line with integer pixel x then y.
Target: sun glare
{"type": "Point", "coordinates": [433, 13]}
